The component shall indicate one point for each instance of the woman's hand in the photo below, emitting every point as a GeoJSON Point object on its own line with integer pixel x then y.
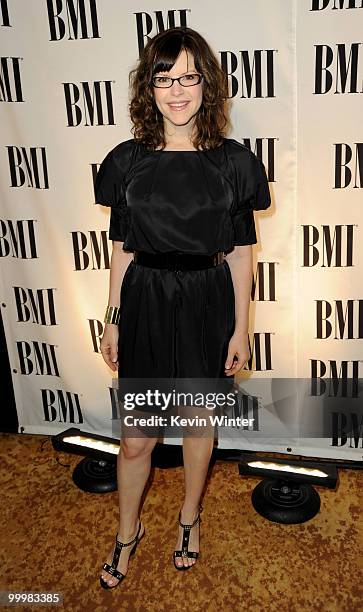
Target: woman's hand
{"type": "Point", "coordinates": [109, 345]}
{"type": "Point", "coordinates": [238, 353]}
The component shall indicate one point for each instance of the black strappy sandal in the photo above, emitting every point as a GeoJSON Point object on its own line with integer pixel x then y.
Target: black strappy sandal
{"type": "Point", "coordinates": [111, 569]}
{"type": "Point", "coordinates": [184, 552]}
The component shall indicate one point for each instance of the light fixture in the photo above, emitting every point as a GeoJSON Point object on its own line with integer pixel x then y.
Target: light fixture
{"type": "Point", "coordinates": [97, 472]}
{"type": "Point", "coordinates": [286, 495]}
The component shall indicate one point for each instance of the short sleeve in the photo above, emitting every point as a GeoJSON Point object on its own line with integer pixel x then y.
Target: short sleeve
{"type": "Point", "coordinates": [251, 193]}
{"type": "Point", "coordinates": [109, 191]}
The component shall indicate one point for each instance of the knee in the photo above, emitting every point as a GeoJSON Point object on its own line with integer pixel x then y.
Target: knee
{"type": "Point", "coordinates": [132, 448]}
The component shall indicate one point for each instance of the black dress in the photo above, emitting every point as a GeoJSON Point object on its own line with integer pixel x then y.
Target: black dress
{"type": "Point", "coordinates": [179, 323]}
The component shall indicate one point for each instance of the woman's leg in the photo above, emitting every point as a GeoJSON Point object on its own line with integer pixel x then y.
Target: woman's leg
{"type": "Point", "coordinates": [133, 469]}
{"type": "Point", "coordinates": [197, 450]}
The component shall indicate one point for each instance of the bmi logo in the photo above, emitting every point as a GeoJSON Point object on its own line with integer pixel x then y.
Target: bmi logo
{"type": "Point", "coordinates": [338, 68]}
{"type": "Point", "coordinates": [341, 402]}
{"type": "Point", "coordinates": [10, 80]}
{"type": "Point", "coordinates": [339, 319]}
{"type": "Point", "coordinates": [264, 147]}
{"type": "Point", "coordinates": [251, 74]}
{"type": "Point", "coordinates": [148, 25]}
{"type": "Point", "coordinates": [28, 166]}
{"type": "Point", "coordinates": [320, 5]}
{"type": "Point", "coordinates": [348, 165]}
{"type": "Point", "coordinates": [72, 19]}
{"type": "Point", "coordinates": [328, 246]}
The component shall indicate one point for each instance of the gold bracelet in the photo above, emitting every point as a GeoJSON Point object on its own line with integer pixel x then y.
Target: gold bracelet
{"type": "Point", "coordinates": [112, 315]}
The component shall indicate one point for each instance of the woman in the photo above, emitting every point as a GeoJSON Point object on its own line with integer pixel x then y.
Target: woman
{"type": "Point", "coordinates": [179, 186]}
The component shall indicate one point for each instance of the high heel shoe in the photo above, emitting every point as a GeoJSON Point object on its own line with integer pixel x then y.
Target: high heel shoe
{"type": "Point", "coordinates": [184, 552]}
{"type": "Point", "coordinates": [111, 569]}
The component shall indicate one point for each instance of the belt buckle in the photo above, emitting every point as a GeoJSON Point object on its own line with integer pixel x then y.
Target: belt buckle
{"type": "Point", "coordinates": [219, 257]}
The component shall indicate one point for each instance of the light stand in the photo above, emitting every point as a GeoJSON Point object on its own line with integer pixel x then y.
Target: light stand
{"type": "Point", "coordinates": [285, 494]}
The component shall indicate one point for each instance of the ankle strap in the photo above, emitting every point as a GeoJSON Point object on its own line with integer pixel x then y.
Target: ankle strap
{"type": "Point", "coordinates": [194, 522]}
{"type": "Point", "coordinates": [131, 541]}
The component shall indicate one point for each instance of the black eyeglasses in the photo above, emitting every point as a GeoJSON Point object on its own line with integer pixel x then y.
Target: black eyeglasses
{"type": "Point", "coordinates": [187, 80]}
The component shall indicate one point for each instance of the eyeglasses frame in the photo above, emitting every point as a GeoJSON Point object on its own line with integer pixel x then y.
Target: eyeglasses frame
{"type": "Point", "coordinates": [201, 77]}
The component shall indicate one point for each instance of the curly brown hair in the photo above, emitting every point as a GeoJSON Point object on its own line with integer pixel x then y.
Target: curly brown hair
{"type": "Point", "coordinates": [159, 55]}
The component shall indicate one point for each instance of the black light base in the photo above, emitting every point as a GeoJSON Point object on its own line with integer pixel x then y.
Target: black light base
{"type": "Point", "coordinates": [285, 501]}
{"type": "Point", "coordinates": [100, 475]}
{"type": "Point", "coordinates": [96, 475]}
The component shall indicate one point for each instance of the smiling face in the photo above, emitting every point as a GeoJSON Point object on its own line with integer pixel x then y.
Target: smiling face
{"type": "Point", "coordinates": [179, 104]}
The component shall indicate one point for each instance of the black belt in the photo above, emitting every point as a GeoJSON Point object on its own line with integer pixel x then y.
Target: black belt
{"type": "Point", "coordinates": [178, 261]}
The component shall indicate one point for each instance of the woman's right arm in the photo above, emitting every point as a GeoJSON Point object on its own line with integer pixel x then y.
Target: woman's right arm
{"type": "Point", "coordinates": [109, 343]}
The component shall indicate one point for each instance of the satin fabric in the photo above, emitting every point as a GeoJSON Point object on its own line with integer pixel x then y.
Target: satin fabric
{"type": "Point", "coordinates": [175, 323]}
{"type": "Point", "coordinates": [179, 323]}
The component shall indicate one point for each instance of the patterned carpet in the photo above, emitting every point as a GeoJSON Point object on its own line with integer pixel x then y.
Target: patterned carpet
{"type": "Point", "coordinates": [54, 537]}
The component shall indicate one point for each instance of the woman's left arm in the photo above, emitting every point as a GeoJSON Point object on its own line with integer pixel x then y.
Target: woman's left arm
{"type": "Point", "coordinates": [240, 264]}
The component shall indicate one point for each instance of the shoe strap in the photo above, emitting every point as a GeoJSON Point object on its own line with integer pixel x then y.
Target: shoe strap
{"type": "Point", "coordinates": [111, 569]}
{"type": "Point", "coordinates": [188, 527]}
{"type": "Point", "coordinates": [121, 544]}
{"type": "Point", "coordinates": [118, 548]}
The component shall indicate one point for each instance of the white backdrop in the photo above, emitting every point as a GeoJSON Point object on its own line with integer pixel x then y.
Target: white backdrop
{"type": "Point", "coordinates": [306, 312]}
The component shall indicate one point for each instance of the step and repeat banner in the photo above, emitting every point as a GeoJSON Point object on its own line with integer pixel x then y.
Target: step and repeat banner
{"type": "Point", "coordinates": [295, 71]}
